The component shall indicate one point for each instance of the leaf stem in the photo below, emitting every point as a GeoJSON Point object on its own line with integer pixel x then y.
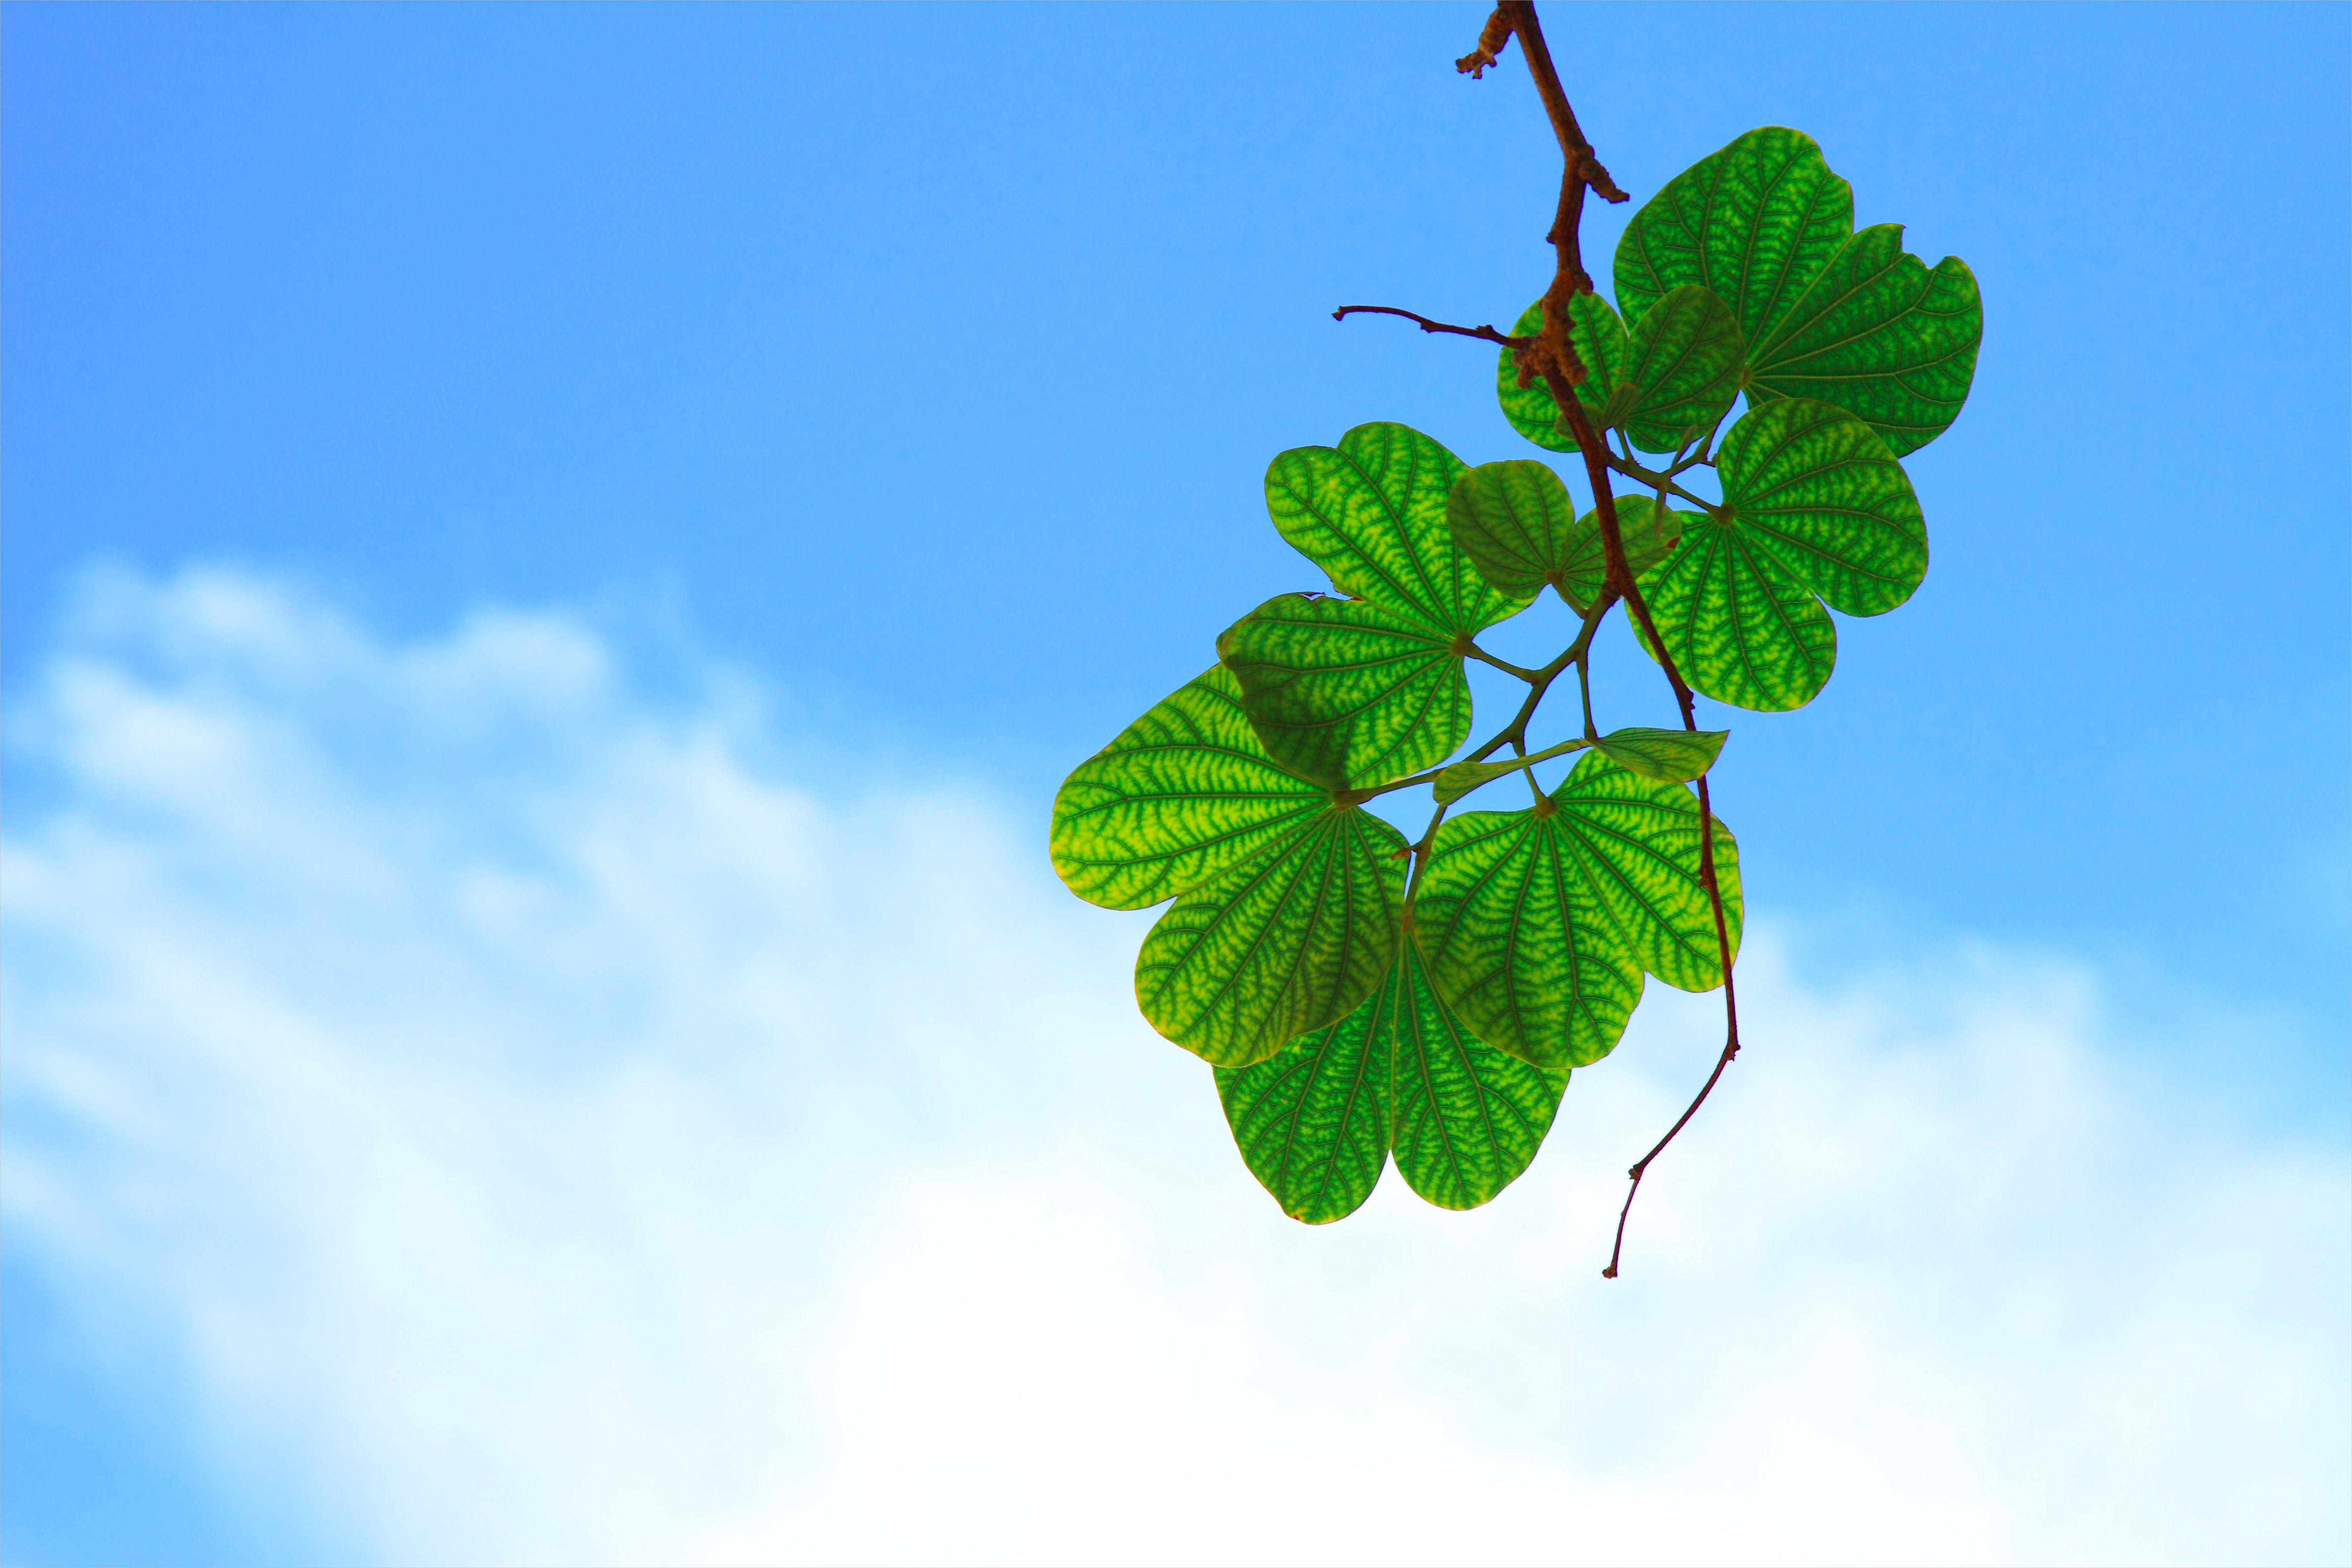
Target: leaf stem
{"type": "Point", "coordinates": [1652, 479]}
{"type": "Point", "coordinates": [1507, 668]}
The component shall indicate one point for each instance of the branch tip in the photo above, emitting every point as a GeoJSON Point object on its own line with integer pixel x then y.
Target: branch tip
{"type": "Point", "coordinates": [1492, 39]}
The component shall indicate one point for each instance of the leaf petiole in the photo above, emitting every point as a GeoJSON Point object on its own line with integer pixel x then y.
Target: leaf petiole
{"type": "Point", "coordinates": [1650, 478]}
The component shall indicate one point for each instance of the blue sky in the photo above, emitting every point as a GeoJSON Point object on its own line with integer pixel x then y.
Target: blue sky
{"type": "Point", "coordinates": [849, 408]}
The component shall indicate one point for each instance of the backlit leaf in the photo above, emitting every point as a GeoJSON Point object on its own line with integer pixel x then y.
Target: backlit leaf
{"type": "Point", "coordinates": [1822, 491]}
{"type": "Point", "coordinates": [1290, 939]}
{"type": "Point", "coordinates": [1598, 337]}
{"type": "Point", "coordinates": [1182, 794]}
{"type": "Point", "coordinates": [1756, 222]}
{"type": "Point", "coordinates": [1637, 847]}
{"type": "Point", "coordinates": [1880, 335]}
{"type": "Point", "coordinates": [1465, 1118]}
{"type": "Point", "coordinates": [1348, 693]}
{"type": "Point", "coordinates": [1315, 1121]}
{"type": "Point", "coordinates": [1516, 522]}
{"type": "Point", "coordinates": [1674, 756]}
{"type": "Point", "coordinates": [1518, 940]}
{"type": "Point", "coordinates": [1463, 777]}
{"type": "Point", "coordinates": [1312, 1120]}
{"type": "Point", "coordinates": [1684, 355]}
{"type": "Point", "coordinates": [1740, 625]}
{"type": "Point", "coordinates": [1372, 512]}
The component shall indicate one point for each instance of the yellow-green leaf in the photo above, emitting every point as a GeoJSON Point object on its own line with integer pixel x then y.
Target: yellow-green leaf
{"type": "Point", "coordinates": [1672, 756]}
{"type": "Point", "coordinates": [1817, 488]}
{"type": "Point", "coordinates": [1348, 693]}
{"type": "Point", "coordinates": [1637, 844]}
{"type": "Point", "coordinates": [1683, 358]}
{"type": "Point", "coordinates": [1288, 940]}
{"type": "Point", "coordinates": [1740, 625]}
{"type": "Point", "coordinates": [1517, 522]}
{"type": "Point", "coordinates": [1465, 1119]}
{"type": "Point", "coordinates": [1598, 337]}
{"type": "Point", "coordinates": [1315, 1121]}
{"type": "Point", "coordinates": [1519, 942]}
{"type": "Point", "coordinates": [1184, 792]}
{"type": "Point", "coordinates": [1881, 336]}
{"type": "Point", "coordinates": [1756, 222]}
{"type": "Point", "coordinates": [1372, 512]}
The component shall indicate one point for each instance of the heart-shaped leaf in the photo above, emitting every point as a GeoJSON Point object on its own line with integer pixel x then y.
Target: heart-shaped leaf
{"type": "Point", "coordinates": [1465, 1118]}
{"type": "Point", "coordinates": [1315, 1121]}
{"type": "Point", "coordinates": [1184, 792]}
{"type": "Point", "coordinates": [1312, 1120]}
{"type": "Point", "coordinates": [1814, 504]}
{"type": "Point", "coordinates": [1824, 494]}
{"type": "Point", "coordinates": [1598, 337]}
{"type": "Point", "coordinates": [1346, 693]}
{"type": "Point", "coordinates": [1287, 941]}
{"type": "Point", "coordinates": [1672, 756]}
{"type": "Point", "coordinates": [1755, 222]}
{"type": "Point", "coordinates": [1517, 522]}
{"type": "Point", "coordinates": [1683, 356]}
{"type": "Point", "coordinates": [1518, 940]}
{"type": "Point", "coordinates": [1882, 336]}
{"type": "Point", "coordinates": [1637, 843]}
{"type": "Point", "coordinates": [1372, 512]}
{"type": "Point", "coordinates": [1740, 625]}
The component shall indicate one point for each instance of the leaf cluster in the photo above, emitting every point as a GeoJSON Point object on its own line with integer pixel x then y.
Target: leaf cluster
{"type": "Point", "coordinates": [1360, 995]}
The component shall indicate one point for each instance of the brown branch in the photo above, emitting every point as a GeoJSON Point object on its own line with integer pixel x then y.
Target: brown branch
{"type": "Point", "coordinates": [1487, 333]}
{"type": "Point", "coordinates": [1553, 353]}
{"type": "Point", "coordinates": [1492, 38]}
{"type": "Point", "coordinates": [1553, 357]}
{"type": "Point", "coordinates": [1730, 1013]}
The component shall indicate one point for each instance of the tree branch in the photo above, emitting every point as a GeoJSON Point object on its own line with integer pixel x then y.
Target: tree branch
{"type": "Point", "coordinates": [1731, 1015]}
{"type": "Point", "coordinates": [1487, 333]}
{"type": "Point", "coordinates": [1553, 357]}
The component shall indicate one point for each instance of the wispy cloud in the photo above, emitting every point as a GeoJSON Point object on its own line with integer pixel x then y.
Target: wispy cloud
{"type": "Point", "coordinates": [549, 1133]}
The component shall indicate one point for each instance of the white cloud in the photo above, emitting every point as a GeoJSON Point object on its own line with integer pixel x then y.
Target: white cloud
{"type": "Point", "coordinates": [548, 1135]}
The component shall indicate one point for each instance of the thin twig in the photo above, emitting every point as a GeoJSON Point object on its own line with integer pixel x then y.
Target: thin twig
{"type": "Point", "coordinates": [1487, 333]}
{"type": "Point", "coordinates": [1553, 357]}
{"type": "Point", "coordinates": [1731, 1012]}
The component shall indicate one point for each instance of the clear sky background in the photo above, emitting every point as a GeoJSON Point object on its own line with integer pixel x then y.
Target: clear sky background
{"type": "Point", "coordinates": [555, 558]}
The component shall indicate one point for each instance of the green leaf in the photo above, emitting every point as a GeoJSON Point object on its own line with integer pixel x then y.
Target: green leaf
{"type": "Point", "coordinates": [1673, 756]}
{"type": "Point", "coordinates": [1346, 693]}
{"type": "Point", "coordinates": [1880, 335]}
{"type": "Point", "coordinates": [1312, 1120]}
{"type": "Point", "coordinates": [1184, 793]}
{"type": "Point", "coordinates": [1814, 504]}
{"type": "Point", "coordinates": [1315, 1121]}
{"type": "Point", "coordinates": [1756, 222]}
{"type": "Point", "coordinates": [1820, 490]}
{"type": "Point", "coordinates": [1599, 340]}
{"type": "Point", "coordinates": [1371, 513]}
{"type": "Point", "coordinates": [1465, 1118]}
{"type": "Point", "coordinates": [1684, 354]}
{"type": "Point", "coordinates": [1518, 940]}
{"type": "Point", "coordinates": [1463, 777]}
{"type": "Point", "coordinates": [1290, 939]}
{"type": "Point", "coordinates": [1740, 625]}
{"type": "Point", "coordinates": [1517, 522]}
{"type": "Point", "coordinates": [1637, 847]}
